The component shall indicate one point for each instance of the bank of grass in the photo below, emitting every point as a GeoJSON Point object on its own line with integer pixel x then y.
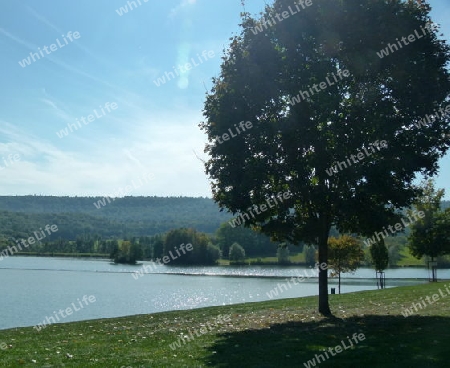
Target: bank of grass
{"type": "Point", "coordinates": [408, 260]}
{"type": "Point", "coordinates": [281, 333]}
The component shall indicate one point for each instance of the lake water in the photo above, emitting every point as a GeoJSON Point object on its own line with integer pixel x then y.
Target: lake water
{"type": "Point", "coordinates": [33, 288]}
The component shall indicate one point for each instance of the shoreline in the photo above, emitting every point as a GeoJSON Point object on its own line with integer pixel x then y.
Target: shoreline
{"type": "Point", "coordinates": [222, 263]}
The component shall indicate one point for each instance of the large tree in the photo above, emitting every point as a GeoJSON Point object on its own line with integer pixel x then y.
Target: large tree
{"type": "Point", "coordinates": [302, 106]}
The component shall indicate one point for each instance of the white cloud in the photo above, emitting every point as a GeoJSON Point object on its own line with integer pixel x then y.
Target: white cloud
{"type": "Point", "coordinates": [160, 145]}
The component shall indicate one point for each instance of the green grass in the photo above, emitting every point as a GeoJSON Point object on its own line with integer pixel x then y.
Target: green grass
{"type": "Point", "coordinates": [407, 259]}
{"type": "Point", "coordinates": [282, 333]}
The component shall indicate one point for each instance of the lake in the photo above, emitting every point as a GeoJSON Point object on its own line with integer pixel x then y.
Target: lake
{"type": "Point", "coordinates": [35, 288]}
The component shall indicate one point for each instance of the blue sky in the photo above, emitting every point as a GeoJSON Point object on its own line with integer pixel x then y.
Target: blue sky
{"type": "Point", "coordinates": [113, 61]}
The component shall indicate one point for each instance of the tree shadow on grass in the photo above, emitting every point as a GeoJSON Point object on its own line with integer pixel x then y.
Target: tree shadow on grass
{"type": "Point", "coordinates": [390, 341]}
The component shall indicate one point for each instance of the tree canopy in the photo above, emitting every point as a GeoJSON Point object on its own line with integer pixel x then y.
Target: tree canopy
{"type": "Point", "coordinates": [430, 235]}
{"type": "Point", "coordinates": [236, 253]}
{"type": "Point", "coordinates": [333, 123]}
{"type": "Point", "coordinates": [199, 250]}
{"type": "Point", "coordinates": [380, 256]}
{"type": "Point", "coordinates": [345, 255]}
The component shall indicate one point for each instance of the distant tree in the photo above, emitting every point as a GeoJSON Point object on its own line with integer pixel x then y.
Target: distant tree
{"type": "Point", "coordinates": [430, 235]}
{"type": "Point", "coordinates": [255, 243]}
{"type": "Point", "coordinates": [380, 259]}
{"type": "Point", "coordinates": [310, 254]}
{"type": "Point", "coordinates": [213, 252]}
{"type": "Point", "coordinates": [201, 253]}
{"type": "Point", "coordinates": [111, 247]}
{"type": "Point", "coordinates": [236, 253]}
{"type": "Point", "coordinates": [3, 244]}
{"type": "Point", "coordinates": [345, 255]}
{"type": "Point", "coordinates": [283, 255]}
{"type": "Point", "coordinates": [127, 252]}
{"type": "Point", "coordinates": [114, 255]}
{"type": "Point", "coordinates": [157, 244]}
{"type": "Point", "coordinates": [394, 254]}
{"type": "Point", "coordinates": [135, 253]}
{"type": "Point", "coordinates": [125, 246]}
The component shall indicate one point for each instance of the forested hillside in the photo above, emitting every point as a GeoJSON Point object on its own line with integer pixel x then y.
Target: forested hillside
{"type": "Point", "coordinates": [107, 217]}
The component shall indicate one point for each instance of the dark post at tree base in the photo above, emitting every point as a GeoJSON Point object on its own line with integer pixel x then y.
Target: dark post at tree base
{"type": "Point", "coordinates": [381, 280]}
{"type": "Point", "coordinates": [432, 265]}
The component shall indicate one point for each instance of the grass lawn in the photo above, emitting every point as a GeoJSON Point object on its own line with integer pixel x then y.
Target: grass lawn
{"type": "Point", "coordinates": [407, 259]}
{"type": "Point", "coordinates": [282, 333]}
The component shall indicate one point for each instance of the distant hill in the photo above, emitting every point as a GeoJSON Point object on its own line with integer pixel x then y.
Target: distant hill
{"type": "Point", "coordinates": [107, 217]}
{"type": "Point", "coordinates": [20, 216]}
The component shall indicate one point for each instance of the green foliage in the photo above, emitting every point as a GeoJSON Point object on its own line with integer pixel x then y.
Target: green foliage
{"type": "Point", "coordinates": [157, 243]}
{"type": "Point", "coordinates": [214, 253]}
{"type": "Point", "coordinates": [256, 244]}
{"type": "Point", "coordinates": [127, 252]}
{"type": "Point", "coordinates": [236, 253]}
{"type": "Point", "coordinates": [310, 254]}
{"type": "Point", "coordinates": [202, 253]}
{"type": "Point", "coordinates": [75, 216]}
{"type": "Point", "coordinates": [294, 141]}
{"type": "Point", "coordinates": [135, 252]}
{"type": "Point", "coordinates": [345, 255]}
{"type": "Point", "coordinates": [283, 255]}
{"type": "Point", "coordinates": [380, 255]}
{"type": "Point", "coordinates": [430, 235]}
{"type": "Point", "coordinates": [394, 254]}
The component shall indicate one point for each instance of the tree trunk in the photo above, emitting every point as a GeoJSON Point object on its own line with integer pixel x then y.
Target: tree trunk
{"type": "Point", "coordinates": [433, 270]}
{"type": "Point", "coordinates": [324, 307]}
{"type": "Point", "coordinates": [339, 282]}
